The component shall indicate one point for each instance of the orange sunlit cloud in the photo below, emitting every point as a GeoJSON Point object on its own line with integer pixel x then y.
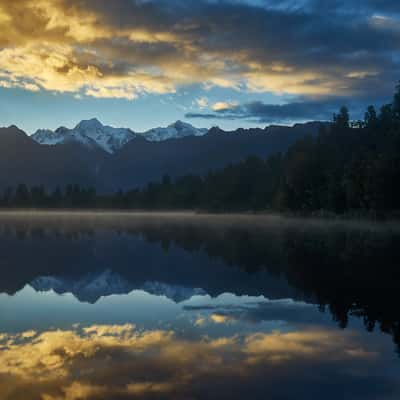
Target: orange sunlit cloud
{"type": "Point", "coordinates": [72, 46]}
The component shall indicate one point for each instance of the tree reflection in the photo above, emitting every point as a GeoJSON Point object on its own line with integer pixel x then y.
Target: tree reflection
{"type": "Point", "coordinates": [350, 271]}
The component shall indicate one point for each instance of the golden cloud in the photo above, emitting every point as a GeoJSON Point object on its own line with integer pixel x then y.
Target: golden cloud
{"type": "Point", "coordinates": [49, 45]}
{"type": "Point", "coordinates": [224, 105]}
{"type": "Point", "coordinates": [73, 47]}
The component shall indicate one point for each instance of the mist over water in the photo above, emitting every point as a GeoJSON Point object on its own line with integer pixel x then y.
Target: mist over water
{"type": "Point", "coordinates": [184, 305]}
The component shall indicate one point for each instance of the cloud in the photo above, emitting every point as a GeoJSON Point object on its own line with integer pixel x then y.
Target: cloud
{"type": "Point", "coordinates": [201, 102]}
{"type": "Point", "coordinates": [224, 105]}
{"type": "Point", "coordinates": [124, 49]}
{"type": "Point", "coordinates": [261, 112]}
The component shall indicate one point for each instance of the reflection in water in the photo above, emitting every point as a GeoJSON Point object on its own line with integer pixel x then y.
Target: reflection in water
{"type": "Point", "coordinates": [100, 307]}
{"type": "Point", "coordinates": [107, 361]}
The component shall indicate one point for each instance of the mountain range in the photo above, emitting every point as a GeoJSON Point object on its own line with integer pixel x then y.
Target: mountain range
{"type": "Point", "coordinates": [93, 134]}
{"type": "Point", "coordinates": [110, 159]}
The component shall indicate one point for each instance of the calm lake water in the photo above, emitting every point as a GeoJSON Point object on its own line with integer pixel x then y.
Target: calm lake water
{"type": "Point", "coordinates": [124, 306]}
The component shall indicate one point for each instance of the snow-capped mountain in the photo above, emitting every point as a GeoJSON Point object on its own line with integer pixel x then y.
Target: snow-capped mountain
{"type": "Point", "coordinates": [176, 130]}
{"type": "Point", "coordinates": [90, 288]}
{"type": "Point", "coordinates": [91, 133]}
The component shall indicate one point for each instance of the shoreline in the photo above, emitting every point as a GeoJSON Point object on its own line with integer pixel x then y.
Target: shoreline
{"type": "Point", "coordinates": [246, 220]}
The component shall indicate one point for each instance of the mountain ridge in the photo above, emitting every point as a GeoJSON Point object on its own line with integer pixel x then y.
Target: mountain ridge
{"type": "Point", "coordinates": [139, 161]}
{"type": "Point", "coordinates": [92, 133]}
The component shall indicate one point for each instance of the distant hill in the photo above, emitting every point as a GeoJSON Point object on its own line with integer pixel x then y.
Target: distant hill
{"type": "Point", "coordinates": [23, 160]}
{"type": "Point", "coordinates": [141, 161]}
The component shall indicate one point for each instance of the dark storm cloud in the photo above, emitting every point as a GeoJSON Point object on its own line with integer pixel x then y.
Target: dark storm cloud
{"type": "Point", "coordinates": [346, 46]}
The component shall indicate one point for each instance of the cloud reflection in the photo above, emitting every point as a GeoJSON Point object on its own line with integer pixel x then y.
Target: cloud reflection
{"type": "Point", "coordinates": [121, 361]}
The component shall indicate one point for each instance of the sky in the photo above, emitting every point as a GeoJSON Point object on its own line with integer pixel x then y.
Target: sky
{"type": "Point", "coordinates": [231, 63]}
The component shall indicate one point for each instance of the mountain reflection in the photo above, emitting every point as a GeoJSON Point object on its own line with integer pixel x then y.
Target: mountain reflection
{"type": "Point", "coordinates": [121, 362]}
{"type": "Point", "coordinates": [92, 287]}
{"type": "Point", "coordinates": [352, 269]}
{"type": "Point", "coordinates": [100, 306]}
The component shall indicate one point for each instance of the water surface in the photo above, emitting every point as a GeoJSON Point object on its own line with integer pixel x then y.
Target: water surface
{"type": "Point", "coordinates": [182, 306]}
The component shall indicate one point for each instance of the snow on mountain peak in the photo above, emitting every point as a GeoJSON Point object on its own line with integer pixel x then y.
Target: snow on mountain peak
{"type": "Point", "coordinates": [90, 133]}
{"type": "Point", "coordinates": [90, 124]}
{"type": "Point", "coordinates": [180, 125]}
{"type": "Point", "coordinates": [93, 134]}
{"type": "Point", "coordinates": [178, 129]}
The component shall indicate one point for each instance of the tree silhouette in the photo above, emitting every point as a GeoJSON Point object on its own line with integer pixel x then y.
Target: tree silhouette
{"type": "Point", "coordinates": [342, 120]}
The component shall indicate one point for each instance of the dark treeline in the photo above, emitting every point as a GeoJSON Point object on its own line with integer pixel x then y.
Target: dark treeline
{"type": "Point", "coordinates": [348, 167]}
{"type": "Point", "coordinates": [72, 196]}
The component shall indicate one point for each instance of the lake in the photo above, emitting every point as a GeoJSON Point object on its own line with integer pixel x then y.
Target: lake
{"type": "Point", "coordinates": [185, 306]}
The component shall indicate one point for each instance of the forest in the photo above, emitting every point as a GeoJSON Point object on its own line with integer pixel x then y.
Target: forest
{"type": "Point", "coordinates": [349, 167]}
